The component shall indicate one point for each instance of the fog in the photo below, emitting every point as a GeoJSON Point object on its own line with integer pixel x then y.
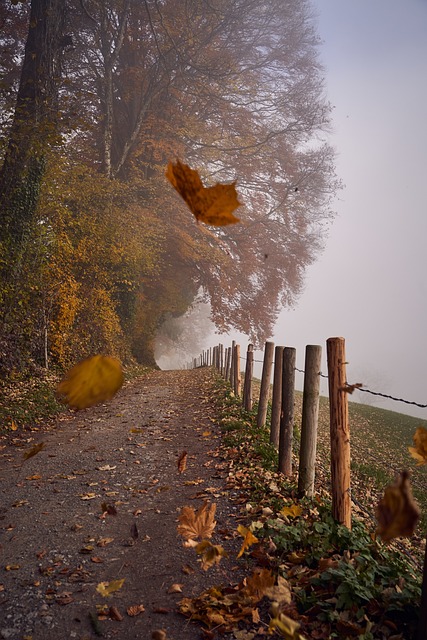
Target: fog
{"type": "Point", "coordinates": [369, 284]}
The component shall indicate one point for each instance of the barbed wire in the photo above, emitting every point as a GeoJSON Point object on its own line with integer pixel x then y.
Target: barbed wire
{"type": "Point", "coordinates": [359, 387]}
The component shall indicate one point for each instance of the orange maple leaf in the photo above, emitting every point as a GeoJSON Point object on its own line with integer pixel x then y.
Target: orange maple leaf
{"type": "Point", "coordinates": [397, 513]}
{"type": "Point", "coordinates": [212, 205]}
{"type": "Point", "coordinates": [248, 539]}
{"type": "Point", "coordinates": [197, 524]}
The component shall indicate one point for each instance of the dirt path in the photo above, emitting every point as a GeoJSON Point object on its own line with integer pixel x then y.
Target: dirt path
{"type": "Point", "coordinates": [57, 545]}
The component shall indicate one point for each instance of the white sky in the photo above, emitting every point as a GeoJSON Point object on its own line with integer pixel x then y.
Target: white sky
{"type": "Point", "coordinates": [369, 285]}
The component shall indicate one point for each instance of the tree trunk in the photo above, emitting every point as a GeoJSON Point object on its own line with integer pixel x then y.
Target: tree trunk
{"type": "Point", "coordinates": [35, 121]}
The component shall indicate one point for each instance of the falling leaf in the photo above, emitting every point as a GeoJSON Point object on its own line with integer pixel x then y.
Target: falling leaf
{"type": "Point", "coordinates": [284, 625]}
{"type": "Point", "coordinates": [135, 610]}
{"type": "Point", "coordinates": [107, 588]}
{"type": "Point", "coordinates": [90, 382]}
{"type": "Point", "coordinates": [212, 205]}
{"type": "Point", "coordinates": [33, 451]}
{"type": "Point", "coordinates": [249, 539]}
{"type": "Point", "coordinates": [182, 462]}
{"type": "Point", "coordinates": [199, 524]}
{"type": "Point", "coordinates": [397, 513]}
{"type": "Point", "coordinates": [291, 512]}
{"type": "Point", "coordinates": [210, 554]}
{"type": "Point", "coordinates": [419, 452]}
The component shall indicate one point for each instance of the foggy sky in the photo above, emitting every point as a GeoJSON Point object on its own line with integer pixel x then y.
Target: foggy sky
{"type": "Point", "coordinates": [369, 285]}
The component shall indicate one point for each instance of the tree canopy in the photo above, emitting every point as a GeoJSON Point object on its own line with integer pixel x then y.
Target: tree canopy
{"type": "Point", "coordinates": [235, 89]}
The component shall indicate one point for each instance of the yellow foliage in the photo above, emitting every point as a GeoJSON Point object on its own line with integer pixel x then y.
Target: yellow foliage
{"type": "Point", "coordinates": [397, 513]}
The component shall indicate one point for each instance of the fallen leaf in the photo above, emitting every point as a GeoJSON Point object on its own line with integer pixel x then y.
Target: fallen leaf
{"type": "Point", "coordinates": [33, 451]}
{"type": "Point", "coordinates": [87, 496]}
{"type": "Point", "coordinates": [90, 382]}
{"type": "Point", "coordinates": [397, 513]}
{"type": "Point", "coordinates": [12, 567]}
{"type": "Point", "coordinates": [107, 588]}
{"type": "Point", "coordinates": [109, 509]}
{"type": "Point", "coordinates": [280, 592]}
{"type": "Point", "coordinates": [96, 559]}
{"type": "Point", "coordinates": [199, 524]}
{"type": "Point", "coordinates": [115, 614]}
{"type": "Point", "coordinates": [210, 554]}
{"type": "Point", "coordinates": [175, 588]}
{"type": "Point", "coordinates": [182, 462]}
{"type": "Point", "coordinates": [135, 610]}
{"type": "Point", "coordinates": [102, 542]}
{"type": "Point", "coordinates": [212, 205]}
{"type": "Point", "coordinates": [249, 539]}
{"type": "Point", "coordinates": [134, 531]}
{"type": "Point", "coordinates": [419, 452]}
{"type": "Point", "coordinates": [187, 569]}
{"type": "Point", "coordinates": [159, 634]}
{"type": "Point", "coordinates": [13, 426]}
{"type": "Point", "coordinates": [292, 512]}
{"type": "Point", "coordinates": [64, 598]}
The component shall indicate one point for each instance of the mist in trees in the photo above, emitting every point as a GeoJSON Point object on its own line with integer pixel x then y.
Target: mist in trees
{"type": "Point", "coordinates": [108, 254]}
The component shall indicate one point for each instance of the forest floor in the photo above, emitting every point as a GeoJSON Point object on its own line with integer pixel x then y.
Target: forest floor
{"type": "Point", "coordinates": [100, 502]}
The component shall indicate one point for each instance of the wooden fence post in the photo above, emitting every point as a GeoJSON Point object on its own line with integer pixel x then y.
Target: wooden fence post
{"type": "Point", "coordinates": [310, 415]}
{"type": "Point", "coordinates": [233, 355]}
{"type": "Point", "coordinates": [276, 400]}
{"type": "Point", "coordinates": [227, 363]}
{"type": "Point", "coordinates": [287, 418]}
{"type": "Point", "coordinates": [247, 386]}
{"type": "Point", "coordinates": [236, 377]}
{"type": "Point", "coordinates": [340, 431]}
{"type": "Point", "coordinates": [221, 359]}
{"type": "Point", "coordinates": [265, 384]}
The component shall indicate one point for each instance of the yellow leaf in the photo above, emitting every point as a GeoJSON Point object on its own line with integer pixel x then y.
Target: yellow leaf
{"type": "Point", "coordinates": [198, 524]}
{"type": "Point", "coordinates": [107, 588]}
{"type": "Point", "coordinates": [249, 539]}
{"type": "Point", "coordinates": [90, 382]}
{"type": "Point", "coordinates": [210, 553]}
{"type": "Point", "coordinates": [13, 426]}
{"type": "Point", "coordinates": [12, 567]}
{"type": "Point", "coordinates": [397, 513]}
{"type": "Point", "coordinates": [34, 450]}
{"type": "Point", "coordinates": [212, 205]}
{"type": "Point", "coordinates": [291, 512]}
{"type": "Point", "coordinates": [419, 452]}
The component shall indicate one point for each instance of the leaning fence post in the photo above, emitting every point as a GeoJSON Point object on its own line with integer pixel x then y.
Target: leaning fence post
{"type": "Point", "coordinates": [236, 377]}
{"type": "Point", "coordinates": [276, 399]}
{"type": "Point", "coordinates": [265, 384]}
{"type": "Point", "coordinates": [310, 416]}
{"type": "Point", "coordinates": [287, 417]}
{"type": "Point", "coordinates": [247, 386]}
{"type": "Point", "coordinates": [340, 431]}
